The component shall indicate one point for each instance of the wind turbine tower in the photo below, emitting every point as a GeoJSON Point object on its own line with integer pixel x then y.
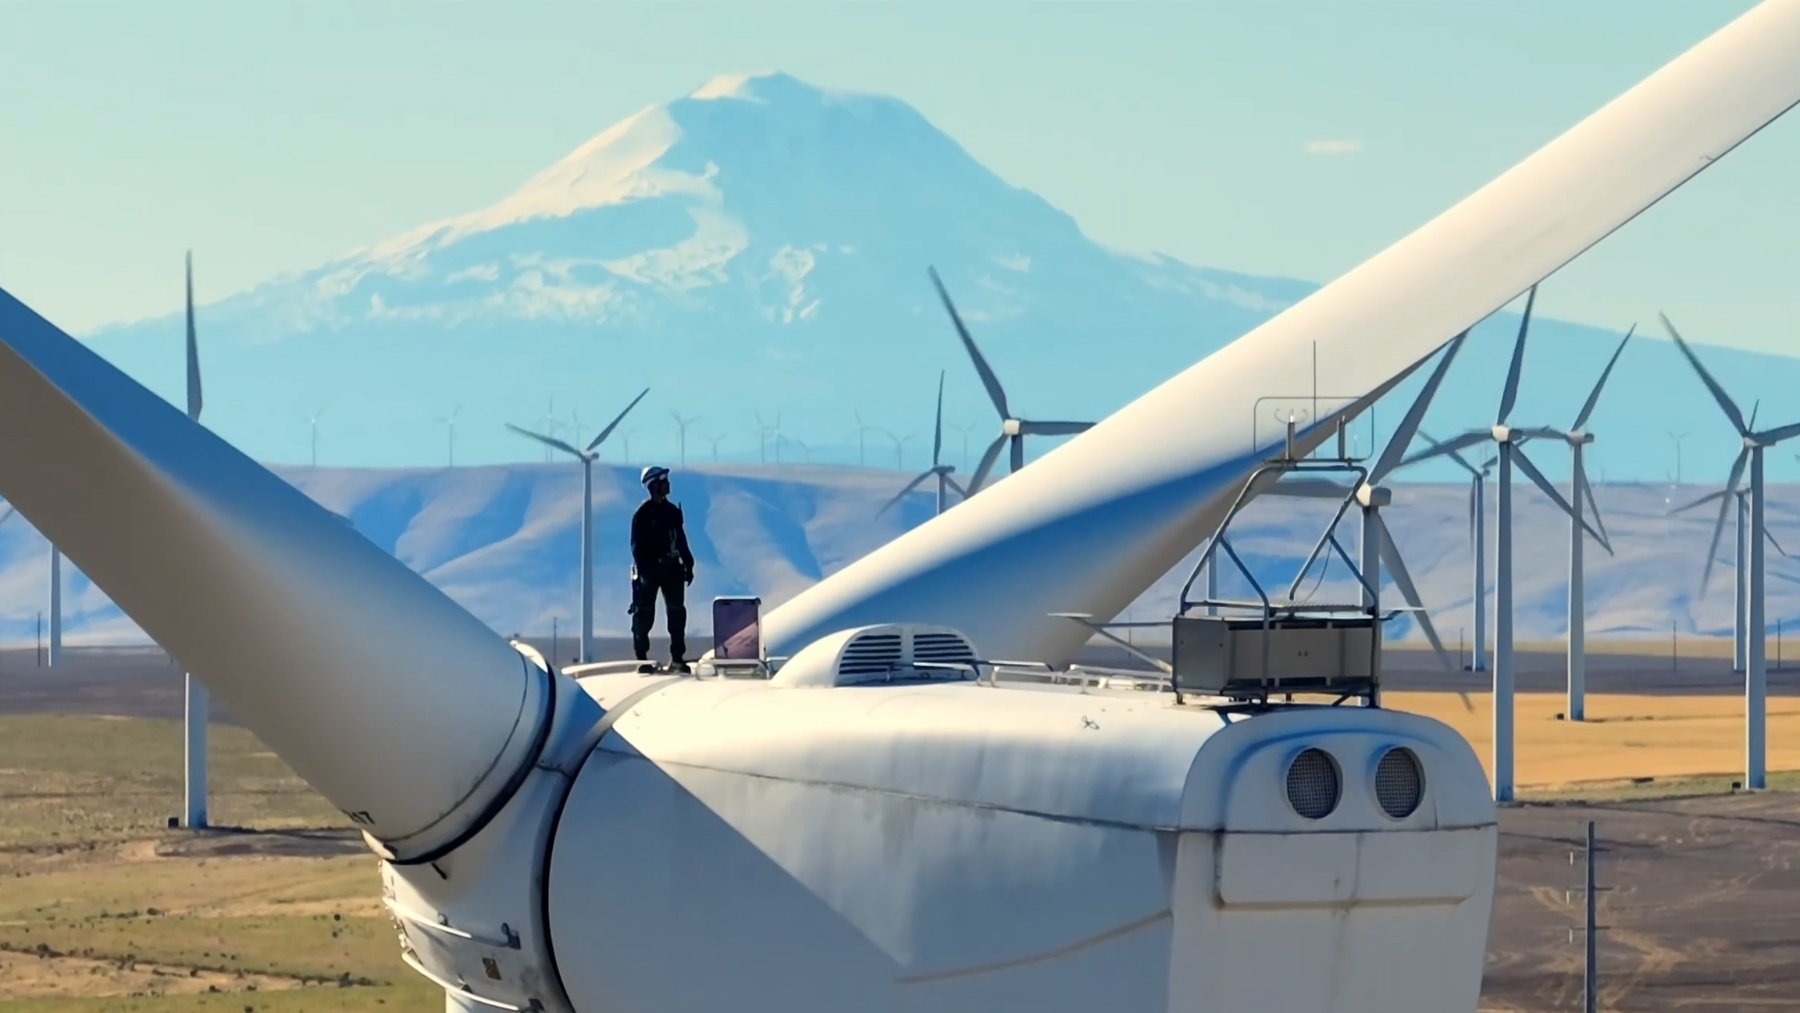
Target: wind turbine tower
{"type": "Point", "coordinates": [1477, 543]}
{"type": "Point", "coordinates": [1577, 436]}
{"type": "Point", "coordinates": [197, 711]}
{"type": "Point", "coordinates": [938, 469]}
{"type": "Point", "coordinates": [1509, 452]}
{"type": "Point", "coordinates": [1756, 675]}
{"type": "Point", "coordinates": [587, 457]}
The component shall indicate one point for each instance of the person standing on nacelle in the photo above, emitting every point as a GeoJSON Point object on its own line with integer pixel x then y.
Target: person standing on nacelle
{"type": "Point", "coordinates": [661, 561]}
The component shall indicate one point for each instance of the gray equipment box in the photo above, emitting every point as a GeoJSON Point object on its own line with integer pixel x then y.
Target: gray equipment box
{"type": "Point", "coordinates": [1241, 658]}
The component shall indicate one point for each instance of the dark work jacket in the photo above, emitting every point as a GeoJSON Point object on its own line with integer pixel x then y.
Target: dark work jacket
{"type": "Point", "coordinates": [659, 544]}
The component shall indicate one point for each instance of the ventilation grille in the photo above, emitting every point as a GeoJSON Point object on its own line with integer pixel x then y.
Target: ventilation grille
{"type": "Point", "coordinates": [1399, 783]}
{"type": "Point", "coordinates": [1313, 785]}
{"type": "Point", "coordinates": [871, 654]}
{"type": "Point", "coordinates": [942, 649]}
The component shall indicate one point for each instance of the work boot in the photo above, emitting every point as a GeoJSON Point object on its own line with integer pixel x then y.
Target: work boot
{"type": "Point", "coordinates": [677, 665]}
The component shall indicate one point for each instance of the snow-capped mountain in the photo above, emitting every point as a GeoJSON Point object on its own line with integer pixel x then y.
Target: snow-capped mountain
{"type": "Point", "coordinates": [759, 246]}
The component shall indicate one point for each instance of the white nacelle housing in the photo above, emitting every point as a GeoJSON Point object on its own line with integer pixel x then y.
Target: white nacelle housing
{"type": "Point", "coordinates": [962, 846]}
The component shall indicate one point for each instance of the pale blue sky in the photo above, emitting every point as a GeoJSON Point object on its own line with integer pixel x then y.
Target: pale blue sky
{"type": "Point", "coordinates": [273, 136]}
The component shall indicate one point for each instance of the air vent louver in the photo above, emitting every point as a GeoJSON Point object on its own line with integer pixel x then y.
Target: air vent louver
{"type": "Point", "coordinates": [871, 654]}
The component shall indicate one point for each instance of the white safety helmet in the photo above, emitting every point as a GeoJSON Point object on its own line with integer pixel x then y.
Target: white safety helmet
{"type": "Point", "coordinates": [652, 473]}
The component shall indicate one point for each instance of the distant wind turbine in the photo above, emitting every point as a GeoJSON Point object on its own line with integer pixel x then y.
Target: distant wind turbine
{"type": "Point", "coordinates": [716, 440]}
{"type": "Point", "coordinates": [1510, 453]}
{"type": "Point", "coordinates": [682, 422]}
{"type": "Point", "coordinates": [1013, 429]}
{"type": "Point", "coordinates": [198, 707]}
{"type": "Point", "coordinates": [938, 469]}
{"type": "Point", "coordinates": [312, 426]}
{"type": "Point", "coordinates": [1756, 674]}
{"type": "Point", "coordinates": [587, 457]}
{"type": "Point", "coordinates": [449, 422]}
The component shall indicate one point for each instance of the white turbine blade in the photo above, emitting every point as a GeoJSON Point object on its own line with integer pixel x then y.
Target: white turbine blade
{"type": "Point", "coordinates": [1542, 433]}
{"type": "Point", "coordinates": [289, 617]}
{"type": "Point", "coordinates": [1774, 436]}
{"type": "Point", "coordinates": [1708, 498]}
{"type": "Point", "coordinates": [1593, 398]}
{"type": "Point", "coordinates": [996, 393]}
{"type": "Point", "coordinates": [549, 441]}
{"type": "Point", "coordinates": [1771, 537]}
{"type": "Point", "coordinates": [979, 480]}
{"type": "Point", "coordinates": [1725, 402]}
{"type": "Point", "coordinates": [1409, 425]}
{"type": "Point", "coordinates": [614, 424]}
{"type": "Point", "coordinates": [1050, 539]}
{"type": "Point", "coordinates": [1537, 478]}
{"type": "Point", "coordinates": [1712, 548]}
{"type": "Point", "coordinates": [937, 428]}
{"type": "Point", "coordinates": [1585, 490]}
{"type": "Point", "coordinates": [1053, 428]}
{"type": "Point", "coordinates": [1409, 592]}
{"type": "Point", "coordinates": [910, 486]}
{"type": "Point", "coordinates": [1450, 448]}
{"type": "Point", "coordinates": [1453, 453]}
{"type": "Point", "coordinates": [194, 399]}
{"type": "Point", "coordinates": [1509, 395]}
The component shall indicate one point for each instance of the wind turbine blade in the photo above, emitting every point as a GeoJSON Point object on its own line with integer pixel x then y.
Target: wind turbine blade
{"type": "Point", "coordinates": [1537, 478]}
{"type": "Point", "coordinates": [549, 441]}
{"type": "Point", "coordinates": [1510, 395]}
{"type": "Point", "coordinates": [1449, 448]}
{"type": "Point", "coordinates": [1409, 425]}
{"type": "Point", "coordinates": [937, 429]}
{"type": "Point", "coordinates": [194, 399]}
{"type": "Point", "coordinates": [960, 491]}
{"type": "Point", "coordinates": [1586, 491]}
{"type": "Point", "coordinates": [910, 486]}
{"type": "Point", "coordinates": [614, 424]}
{"type": "Point", "coordinates": [1449, 452]}
{"type": "Point", "coordinates": [1593, 398]}
{"type": "Point", "coordinates": [978, 481]}
{"type": "Point", "coordinates": [1712, 548]}
{"type": "Point", "coordinates": [1396, 566]}
{"type": "Point", "coordinates": [1053, 428]}
{"type": "Point", "coordinates": [996, 394]}
{"type": "Point", "coordinates": [1777, 435]}
{"type": "Point", "coordinates": [288, 616]}
{"type": "Point", "coordinates": [7, 516]}
{"type": "Point", "coordinates": [1771, 536]}
{"type": "Point", "coordinates": [1708, 498]}
{"type": "Point", "coordinates": [1730, 407]}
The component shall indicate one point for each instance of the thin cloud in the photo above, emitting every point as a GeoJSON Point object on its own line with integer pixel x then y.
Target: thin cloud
{"type": "Point", "coordinates": [1333, 146]}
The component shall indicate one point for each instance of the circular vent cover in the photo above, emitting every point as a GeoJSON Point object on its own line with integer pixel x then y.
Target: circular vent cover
{"type": "Point", "coordinates": [1313, 784]}
{"type": "Point", "coordinates": [1399, 783]}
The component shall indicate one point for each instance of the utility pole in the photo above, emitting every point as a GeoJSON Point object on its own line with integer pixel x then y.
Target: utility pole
{"type": "Point", "coordinates": [1591, 930]}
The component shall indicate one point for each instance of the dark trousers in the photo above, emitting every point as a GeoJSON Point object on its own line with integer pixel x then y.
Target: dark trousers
{"type": "Point", "coordinates": [643, 614]}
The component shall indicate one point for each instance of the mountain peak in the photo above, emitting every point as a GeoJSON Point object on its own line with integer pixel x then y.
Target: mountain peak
{"type": "Point", "coordinates": [772, 87]}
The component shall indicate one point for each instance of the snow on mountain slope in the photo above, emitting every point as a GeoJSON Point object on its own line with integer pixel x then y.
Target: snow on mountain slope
{"type": "Point", "coordinates": [502, 540]}
{"type": "Point", "coordinates": [760, 245]}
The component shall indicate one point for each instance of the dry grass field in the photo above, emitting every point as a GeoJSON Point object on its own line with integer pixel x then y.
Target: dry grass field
{"type": "Point", "coordinates": [1624, 736]}
{"type": "Point", "coordinates": [103, 908]}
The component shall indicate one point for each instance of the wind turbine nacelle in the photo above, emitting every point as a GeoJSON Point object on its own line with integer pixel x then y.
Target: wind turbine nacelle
{"type": "Point", "coordinates": [870, 830]}
{"type": "Point", "coordinates": [1011, 427]}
